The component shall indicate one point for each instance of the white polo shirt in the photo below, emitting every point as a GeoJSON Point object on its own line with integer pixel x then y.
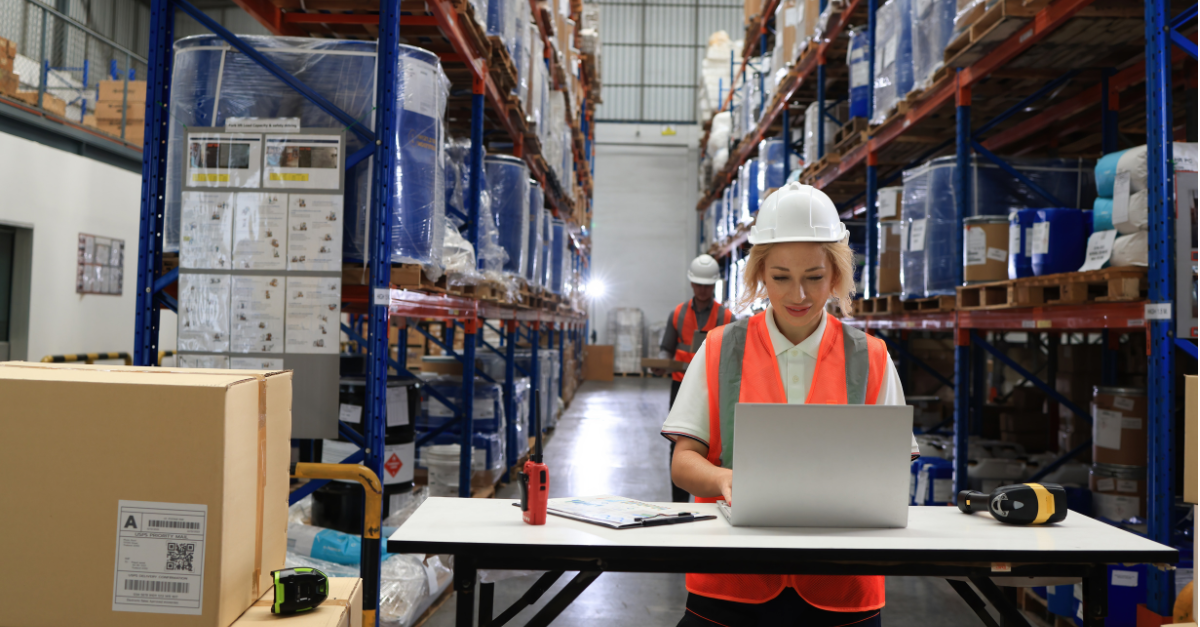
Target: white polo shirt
{"type": "Point", "coordinates": [797, 365]}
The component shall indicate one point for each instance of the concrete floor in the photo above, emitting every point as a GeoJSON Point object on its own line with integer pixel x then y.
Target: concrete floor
{"type": "Point", "coordinates": [608, 443]}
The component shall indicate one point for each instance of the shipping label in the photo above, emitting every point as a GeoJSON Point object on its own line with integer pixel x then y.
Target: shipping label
{"type": "Point", "coordinates": [160, 557]}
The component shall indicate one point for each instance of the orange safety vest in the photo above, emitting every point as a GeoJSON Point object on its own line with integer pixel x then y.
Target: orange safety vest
{"type": "Point", "coordinates": [741, 367]}
{"type": "Point", "coordinates": [685, 325]}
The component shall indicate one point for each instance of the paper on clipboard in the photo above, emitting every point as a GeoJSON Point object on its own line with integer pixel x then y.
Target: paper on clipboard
{"type": "Point", "coordinates": [617, 512]}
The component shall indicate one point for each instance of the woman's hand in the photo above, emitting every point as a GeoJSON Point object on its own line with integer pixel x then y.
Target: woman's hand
{"type": "Point", "coordinates": [691, 470]}
{"type": "Point", "coordinates": [725, 483]}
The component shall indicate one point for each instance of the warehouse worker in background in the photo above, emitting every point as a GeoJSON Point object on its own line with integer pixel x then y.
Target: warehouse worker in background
{"type": "Point", "coordinates": [794, 352]}
{"type": "Point", "coordinates": [682, 326]}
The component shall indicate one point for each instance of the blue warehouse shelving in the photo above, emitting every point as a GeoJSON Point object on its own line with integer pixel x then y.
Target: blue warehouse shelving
{"type": "Point", "coordinates": [441, 27]}
{"type": "Point", "coordinates": [1007, 81]}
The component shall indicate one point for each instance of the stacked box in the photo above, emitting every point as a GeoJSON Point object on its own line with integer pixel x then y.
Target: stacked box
{"type": "Point", "coordinates": [8, 78]}
{"type": "Point", "coordinates": [122, 100]}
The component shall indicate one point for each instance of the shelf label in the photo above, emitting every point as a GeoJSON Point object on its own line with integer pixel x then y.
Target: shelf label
{"type": "Point", "coordinates": [1001, 567]}
{"type": "Point", "coordinates": [381, 296]}
{"type": "Point", "coordinates": [1028, 324]}
{"type": "Point", "coordinates": [1044, 324]}
{"type": "Point", "coordinates": [1135, 322]}
{"type": "Point", "coordinates": [1158, 311]}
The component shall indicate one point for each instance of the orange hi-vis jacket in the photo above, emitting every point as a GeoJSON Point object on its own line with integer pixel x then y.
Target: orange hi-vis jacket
{"type": "Point", "coordinates": [741, 367]}
{"type": "Point", "coordinates": [685, 324]}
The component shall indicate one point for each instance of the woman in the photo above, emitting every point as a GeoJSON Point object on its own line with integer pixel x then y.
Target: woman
{"type": "Point", "coordinates": [794, 352]}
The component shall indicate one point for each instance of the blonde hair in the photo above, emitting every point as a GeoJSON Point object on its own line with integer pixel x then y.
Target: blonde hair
{"type": "Point", "coordinates": [840, 256]}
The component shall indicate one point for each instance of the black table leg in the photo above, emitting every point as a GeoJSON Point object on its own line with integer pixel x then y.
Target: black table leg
{"type": "Point", "coordinates": [976, 604]}
{"type": "Point", "coordinates": [530, 597]}
{"type": "Point", "coordinates": [1010, 616]}
{"type": "Point", "coordinates": [569, 593]}
{"type": "Point", "coordinates": [464, 589]}
{"type": "Point", "coordinates": [487, 593]}
{"type": "Point", "coordinates": [1095, 597]}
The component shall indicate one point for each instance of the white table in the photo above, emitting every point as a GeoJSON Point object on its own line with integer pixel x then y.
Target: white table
{"type": "Point", "coordinates": [939, 541]}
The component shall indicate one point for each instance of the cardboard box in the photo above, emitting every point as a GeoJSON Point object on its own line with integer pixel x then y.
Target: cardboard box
{"type": "Point", "coordinates": [1190, 436]}
{"type": "Point", "coordinates": [134, 131]}
{"type": "Point", "coordinates": [441, 365]}
{"type": "Point", "coordinates": [186, 443]}
{"type": "Point", "coordinates": [343, 608]}
{"type": "Point", "coordinates": [750, 10]}
{"type": "Point", "coordinates": [889, 258]}
{"type": "Point", "coordinates": [112, 90]}
{"type": "Point", "coordinates": [9, 83]}
{"type": "Point", "coordinates": [6, 64]}
{"type": "Point", "coordinates": [112, 111]}
{"type": "Point", "coordinates": [598, 362]}
{"type": "Point", "coordinates": [55, 105]}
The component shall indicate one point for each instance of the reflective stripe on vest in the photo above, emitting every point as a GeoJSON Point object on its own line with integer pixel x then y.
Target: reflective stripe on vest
{"type": "Point", "coordinates": [849, 370]}
{"type": "Point", "coordinates": [685, 327]}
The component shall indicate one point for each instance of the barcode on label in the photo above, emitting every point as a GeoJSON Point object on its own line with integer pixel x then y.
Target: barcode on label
{"type": "Point", "coordinates": [174, 524]}
{"type": "Point", "coordinates": [139, 585]}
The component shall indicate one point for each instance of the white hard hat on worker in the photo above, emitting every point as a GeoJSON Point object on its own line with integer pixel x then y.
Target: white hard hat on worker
{"type": "Point", "coordinates": [798, 213]}
{"type": "Point", "coordinates": [704, 270]}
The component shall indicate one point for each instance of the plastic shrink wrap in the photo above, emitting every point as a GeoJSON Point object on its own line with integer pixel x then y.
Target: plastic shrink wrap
{"type": "Point", "coordinates": [211, 83]}
{"type": "Point", "coordinates": [1131, 250]}
{"type": "Point", "coordinates": [558, 256]}
{"type": "Point", "coordinates": [932, 28]}
{"type": "Point", "coordinates": [626, 328]}
{"type": "Point", "coordinates": [856, 59]}
{"type": "Point", "coordinates": [533, 267]}
{"type": "Point", "coordinates": [893, 57]}
{"type": "Point", "coordinates": [811, 119]}
{"type": "Point", "coordinates": [508, 184]}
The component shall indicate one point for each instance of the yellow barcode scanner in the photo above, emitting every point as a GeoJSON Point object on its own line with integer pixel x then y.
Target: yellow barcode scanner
{"type": "Point", "coordinates": [298, 590]}
{"type": "Point", "coordinates": [1019, 504]}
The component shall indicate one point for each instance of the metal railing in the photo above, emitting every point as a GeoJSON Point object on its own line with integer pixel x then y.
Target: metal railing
{"type": "Point", "coordinates": [63, 56]}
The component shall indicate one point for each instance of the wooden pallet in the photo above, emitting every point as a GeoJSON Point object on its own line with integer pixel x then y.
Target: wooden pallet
{"type": "Point", "coordinates": [850, 135]}
{"type": "Point", "coordinates": [901, 111]}
{"type": "Point", "coordinates": [469, 25]}
{"type": "Point", "coordinates": [936, 304]}
{"type": "Point", "coordinates": [501, 66]}
{"type": "Point", "coordinates": [878, 306]}
{"type": "Point", "coordinates": [989, 26]}
{"type": "Point", "coordinates": [830, 159]}
{"type": "Point", "coordinates": [1071, 288]}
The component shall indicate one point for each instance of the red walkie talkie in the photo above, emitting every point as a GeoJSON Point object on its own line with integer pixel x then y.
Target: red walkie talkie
{"type": "Point", "coordinates": [535, 480]}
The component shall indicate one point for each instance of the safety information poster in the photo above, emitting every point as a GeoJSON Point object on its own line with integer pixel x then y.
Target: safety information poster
{"type": "Point", "coordinates": [315, 232]}
{"type": "Point", "coordinates": [224, 160]}
{"type": "Point", "coordinates": [203, 361]}
{"type": "Point", "coordinates": [255, 363]}
{"type": "Point", "coordinates": [160, 557]}
{"type": "Point", "coordinates": [204, 312]}
{"type": "Point", "coordinates": [303, 162]}
{"type": "Point", "coordinates": [100, 265]}
{"type": "Point", "coordinates": [260, 231]}
{"type": "Point", "coordinates": [257, 316]}
{"type": "Point", "coordinates": [313, 315]}
{"type": "Point", "coordinates": [206, 220]}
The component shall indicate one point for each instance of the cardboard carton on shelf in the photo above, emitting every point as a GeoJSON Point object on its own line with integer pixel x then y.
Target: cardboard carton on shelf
{"type": "Point", "coordinates": [342, 608]}
{"type": "Point", "coordinates": [112, 110]}
{"type": "Point", "coordinates": [9, 83]}
{"type": "Point", "coordinates": [114, 91]}
{"type": "Point", "coordinates": [192, 505]}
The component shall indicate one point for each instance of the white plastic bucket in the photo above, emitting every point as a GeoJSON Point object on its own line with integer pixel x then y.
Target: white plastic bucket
{"type": "Point", "coordinates": [442, 462]}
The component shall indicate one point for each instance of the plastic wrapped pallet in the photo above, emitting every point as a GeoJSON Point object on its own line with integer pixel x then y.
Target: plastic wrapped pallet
{"type": "Point", "coordinates": [811, 118]}
{"type": "Point", "coordinates": [502, 17]}
{"type": "Point", "coordinates": [547, 248]}
{"type": "Point", "coordinates": [487, 405]}
{"type": "Point", "coordinates": [508, 183]}
{"type": "Point", "coordinates": [860, 85]}
{"type": "Point", "coordinates": [771, 171]}
{"type": "Point", "coordinates": [912, 232]}
{"type": "Point", "coordinates": [533, 268]}
{"type": "Point", "coordinates": [1131, 250]}
{"type": "Point", "coordinates": [626, 328]}
{"type": "Point", "coordinates": [932, 28]}
{"type": "Point", "coordinates": [212, 83]}
{"type": "Point", "coordinates": [893, 57]}
{"type": "Point", "coordinates": [747, 192]}
{"type": "Point", "coordinates": [558, 256]}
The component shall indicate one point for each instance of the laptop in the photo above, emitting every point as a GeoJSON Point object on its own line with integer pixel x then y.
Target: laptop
{"type": "Point", "coordinates": [820, 466]}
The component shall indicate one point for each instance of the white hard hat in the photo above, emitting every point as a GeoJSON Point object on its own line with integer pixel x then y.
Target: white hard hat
{"type": "Point", "coordinates": [704, 270]}
{"type": "Point", "coordinates": [798, 213]}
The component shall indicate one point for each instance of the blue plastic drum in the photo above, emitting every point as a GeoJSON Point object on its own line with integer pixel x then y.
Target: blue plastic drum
{"type": "Point", "coordinates": [537, 207]}
{"type": "Point", "coordinates": [748, 191]}
{"type": "Point", "coordinates": [558, 256]}
{"type": "Point", "coordinates": [772, 166]}
{"type": "Point", "coordinates": [860, 87]}
{"type": "Point", "coordinates": [943, 269]}
{"type": "Point", "coordinates": [1059, 240]}
{"type": "Point", "coordinates": [1020, 235]}
{"type": "Point", "coordinates": [547, 247]}
{"type": "Point", "coordinates": [912, 233]}
{"type": "Point", "coordinates": [508, 184]}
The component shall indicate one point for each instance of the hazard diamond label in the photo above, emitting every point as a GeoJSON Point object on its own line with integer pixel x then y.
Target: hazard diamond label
{"type": "Point", "coordinates": [393, 465]}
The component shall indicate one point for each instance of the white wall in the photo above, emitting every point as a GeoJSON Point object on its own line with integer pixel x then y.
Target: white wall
{"type": "Point", "coordinates": [60, 195]}
{"type": "Point", "coordinates": [645, 221]}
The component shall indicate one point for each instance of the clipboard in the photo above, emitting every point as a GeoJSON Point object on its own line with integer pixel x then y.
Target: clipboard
{"type": "Point", "coordinates": [618, 512]}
